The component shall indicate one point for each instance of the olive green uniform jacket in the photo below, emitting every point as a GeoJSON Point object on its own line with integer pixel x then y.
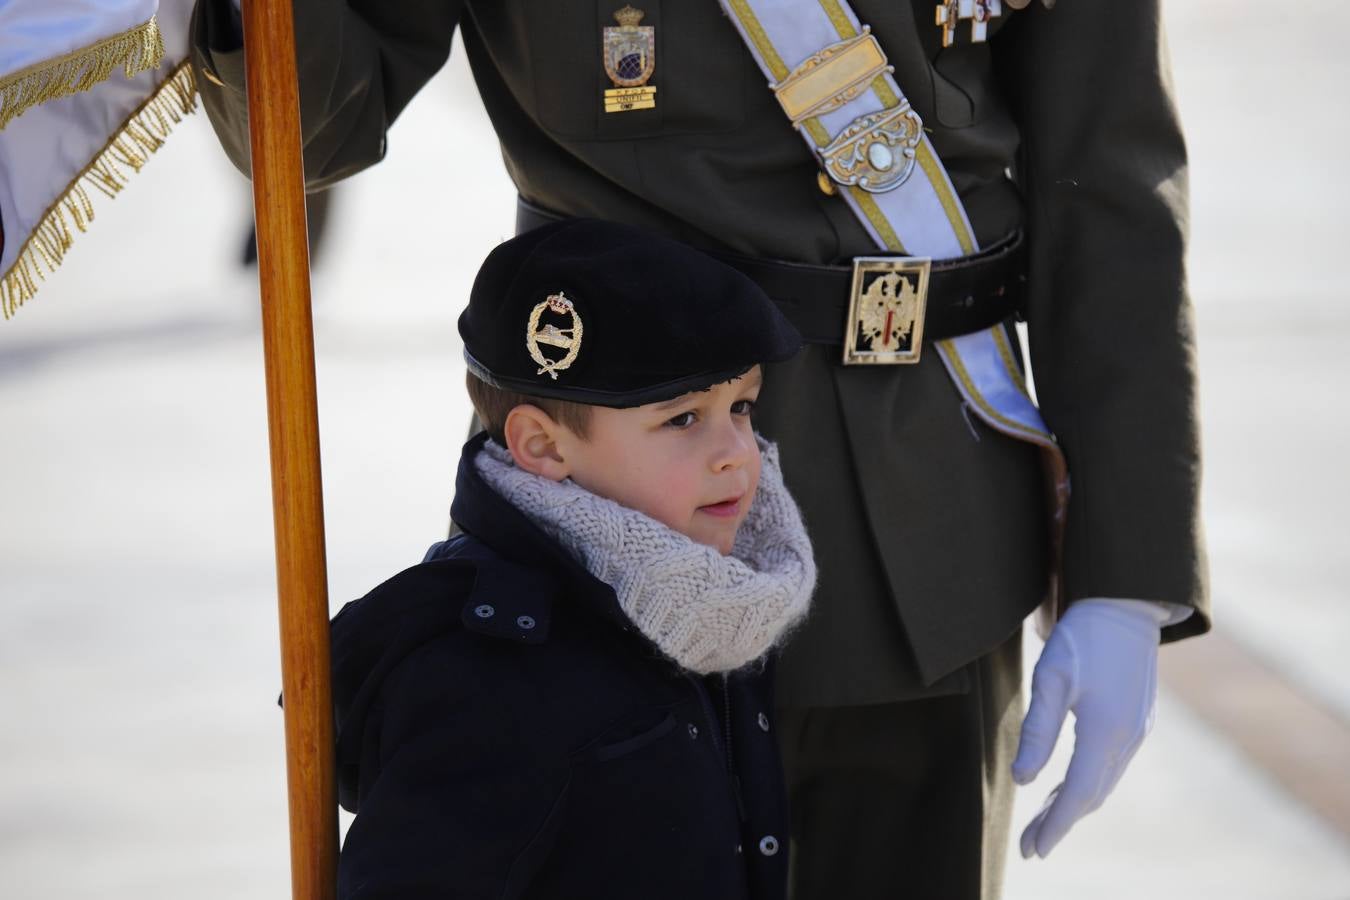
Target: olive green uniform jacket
{"type": "Point", "coordinates": [930, 527]}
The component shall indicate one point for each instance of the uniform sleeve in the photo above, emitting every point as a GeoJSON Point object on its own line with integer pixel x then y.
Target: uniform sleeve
{"type": "Point", "coordinates": [1103, 167]}
{"type": "Point", "coordinates": [360, 62]}
{"type": "Point", "coordinates": [459, 796]}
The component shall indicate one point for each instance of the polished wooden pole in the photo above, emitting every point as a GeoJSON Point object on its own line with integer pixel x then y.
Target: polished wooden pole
{"type": "Point", "coordinates": [293, 427]}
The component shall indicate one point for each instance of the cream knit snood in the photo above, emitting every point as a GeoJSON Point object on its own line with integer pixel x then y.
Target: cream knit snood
{"type": "Point", "coordinates": [707, 612]}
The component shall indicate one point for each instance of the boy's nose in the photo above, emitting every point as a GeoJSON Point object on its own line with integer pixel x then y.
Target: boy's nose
{"type": "Point", "coordinates": [734, 448]}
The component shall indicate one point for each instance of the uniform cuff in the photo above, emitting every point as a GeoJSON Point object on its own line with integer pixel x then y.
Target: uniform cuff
{"type": "Point", "coordinates": [1163, 612]}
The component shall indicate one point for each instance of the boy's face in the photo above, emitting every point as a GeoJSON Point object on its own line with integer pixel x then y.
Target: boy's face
{"type": "Point", "coordinates": [690, 463]}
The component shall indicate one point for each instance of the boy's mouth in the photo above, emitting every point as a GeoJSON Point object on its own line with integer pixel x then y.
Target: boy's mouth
{"type": "Point", "coordinates": [723, 509]}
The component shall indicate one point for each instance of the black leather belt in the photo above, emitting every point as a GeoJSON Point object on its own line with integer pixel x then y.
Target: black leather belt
{"type": "Point", "coordinates": [965, 294]}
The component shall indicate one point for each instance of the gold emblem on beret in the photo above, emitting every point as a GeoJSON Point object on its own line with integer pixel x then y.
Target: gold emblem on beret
{"type": "Point", "coordinates": [567, 339]}
{"type": "Point", "coordinates": [630, 60]}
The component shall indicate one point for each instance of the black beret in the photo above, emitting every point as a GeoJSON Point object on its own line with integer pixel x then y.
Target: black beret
{"type": "Point", "coordinates": [609, 315]}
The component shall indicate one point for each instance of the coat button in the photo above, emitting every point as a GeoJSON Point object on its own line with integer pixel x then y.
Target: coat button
{"type": "Point", "coordinates": [763, 722]}
{"type": "Point", "coordinates": [485, 611]}
{"type": "Point", "coordinates": [693, 731]}
{"type": "Point", "coordinates": [525, 622]}
{"type": "Point", "coordinates": [768, 845]}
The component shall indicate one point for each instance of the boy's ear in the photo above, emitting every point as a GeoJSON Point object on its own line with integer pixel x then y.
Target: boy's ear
{"type": "Point", "coordinates": [532, 437]}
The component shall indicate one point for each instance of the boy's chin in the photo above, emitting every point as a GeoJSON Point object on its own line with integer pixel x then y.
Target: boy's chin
{"type": "Point", "coordinates": [723, 544]}
{"type": "Point", "coordinates": [716, 532]}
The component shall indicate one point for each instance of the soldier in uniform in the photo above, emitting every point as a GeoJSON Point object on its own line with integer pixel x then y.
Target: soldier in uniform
{"type": "Point", "coordinates": [900, 698]}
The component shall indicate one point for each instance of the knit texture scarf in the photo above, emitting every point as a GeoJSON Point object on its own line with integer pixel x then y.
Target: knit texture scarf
{"type": "Point", "coordinates": [707, 612]}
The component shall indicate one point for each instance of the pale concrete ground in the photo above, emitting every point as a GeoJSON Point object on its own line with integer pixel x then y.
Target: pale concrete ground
{"type": "Point", "coordinates": [141, 750]}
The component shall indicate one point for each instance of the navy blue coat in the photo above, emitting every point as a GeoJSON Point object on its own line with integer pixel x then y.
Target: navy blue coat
{"type": "Point", "coordinates": [504, 731]}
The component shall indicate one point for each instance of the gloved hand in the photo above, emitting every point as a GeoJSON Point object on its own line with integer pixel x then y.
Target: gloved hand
{"type": "Point", "coordinates": [1101, 661]}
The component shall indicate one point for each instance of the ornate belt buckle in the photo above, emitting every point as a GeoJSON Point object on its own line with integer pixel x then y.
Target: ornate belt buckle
{"type": "Point", "coordinates": [885, 310]}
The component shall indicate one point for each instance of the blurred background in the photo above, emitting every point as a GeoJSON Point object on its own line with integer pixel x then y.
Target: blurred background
{"type": "Point", "coordinates": [141, 747]}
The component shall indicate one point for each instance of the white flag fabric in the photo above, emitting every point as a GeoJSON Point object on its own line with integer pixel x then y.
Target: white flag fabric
{"type": "Point", "coordinates": [88, 90]}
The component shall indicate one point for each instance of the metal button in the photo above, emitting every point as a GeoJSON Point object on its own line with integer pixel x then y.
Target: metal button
{"type": "Point", "coordinates": [525, 622]}
{"type": "Point", "coordinates": [768, 845]}
{"type": "Point", "coordinates": [485, 611]}
{"type": "Point", "coordinates": [693, 731]}
{"type": "Point", "coordinates": [763, 722]}
{"type": "Point", "coordinates": [739, 851]}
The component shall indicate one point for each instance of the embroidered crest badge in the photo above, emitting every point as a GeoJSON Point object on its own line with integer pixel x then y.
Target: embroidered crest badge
{"type": "Point", "coordinates": [549, 334]}
{"type": "Point", "coordinates": [630, 60]}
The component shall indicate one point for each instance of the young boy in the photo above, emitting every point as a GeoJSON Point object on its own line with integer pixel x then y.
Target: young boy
{"type": "Point", "coordinates": [571, 699]}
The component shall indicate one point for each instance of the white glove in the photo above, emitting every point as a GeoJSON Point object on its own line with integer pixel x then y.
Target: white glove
{"type": "Point", "coordinates": [1101, 661]}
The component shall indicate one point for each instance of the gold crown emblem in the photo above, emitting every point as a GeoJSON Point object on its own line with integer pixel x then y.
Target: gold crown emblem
{"type": "Point", "coordinates": [629, 17]}
{"type": "Point", "coordinates": [559, 303]}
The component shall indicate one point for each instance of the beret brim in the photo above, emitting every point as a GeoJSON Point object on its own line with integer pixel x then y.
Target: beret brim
{"type": "Point", "coordinates": [656, 393]}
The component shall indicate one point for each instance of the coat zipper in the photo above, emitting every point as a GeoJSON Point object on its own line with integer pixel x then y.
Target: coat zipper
{"type": "Point", "coordinates": [725, 748]}
{"type": "Point", "coordinates": [726, 712]}
{"type": "Point", "coordinates": [731, 765]}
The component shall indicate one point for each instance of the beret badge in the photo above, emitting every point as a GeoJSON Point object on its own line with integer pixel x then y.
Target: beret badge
{"type": "Point", "coordinates": [548, 333]}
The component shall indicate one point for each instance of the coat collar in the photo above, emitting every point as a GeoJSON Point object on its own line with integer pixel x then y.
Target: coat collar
{"type": "Point", "coordinates": [486, 516]}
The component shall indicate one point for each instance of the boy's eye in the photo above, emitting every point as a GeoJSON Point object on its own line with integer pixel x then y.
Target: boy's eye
{"type": "Point", "coordinates": [743, 407]}
{"type": "Point", "coordinates": [683, 420]}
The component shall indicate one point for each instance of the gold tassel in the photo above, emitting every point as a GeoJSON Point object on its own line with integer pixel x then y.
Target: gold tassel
{"type": "Point", "coordinates": [137, 50]}
{"type": "Point", "coordinates": [127, 150]}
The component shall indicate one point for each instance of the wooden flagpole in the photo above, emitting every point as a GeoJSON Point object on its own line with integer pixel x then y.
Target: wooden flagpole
{"type": "Point", "coordinates": [293, 427]}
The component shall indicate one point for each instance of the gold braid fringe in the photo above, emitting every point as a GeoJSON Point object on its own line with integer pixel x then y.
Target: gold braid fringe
{"type": "Point", "coordinates": [127, 150]}
{"type": "Point", "coordinates": [138, 50]}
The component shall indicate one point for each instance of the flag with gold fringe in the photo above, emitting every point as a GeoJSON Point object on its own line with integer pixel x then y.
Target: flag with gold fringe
{"type": "Point", "coordinates": [89, 89]}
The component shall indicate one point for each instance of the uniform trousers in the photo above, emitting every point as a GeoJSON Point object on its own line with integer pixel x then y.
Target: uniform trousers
{"type": "Point", "coordinates": [906, 800]}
